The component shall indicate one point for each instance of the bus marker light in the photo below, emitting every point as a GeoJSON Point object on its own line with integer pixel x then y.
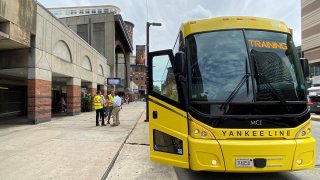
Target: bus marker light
{"type": "Point", "coordinates": [196, 131]}
{"type": "Point", "coordinates": [308, 130]}
{"type": "Point", "coordinates": [203, 133]}
{"type": "Point", "coordinates": [299, 161]}
{"type": "Point", "coordinates": [214, 162]}
{"type": "Point", "coordinates": [303, 133]}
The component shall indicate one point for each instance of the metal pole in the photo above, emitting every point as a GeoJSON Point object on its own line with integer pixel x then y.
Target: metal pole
{"type": "Point", "coordinates": [147, 82]}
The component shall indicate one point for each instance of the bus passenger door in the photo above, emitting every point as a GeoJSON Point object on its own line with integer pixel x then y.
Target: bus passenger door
{"type": "Point", "coordinates": [168, 126]}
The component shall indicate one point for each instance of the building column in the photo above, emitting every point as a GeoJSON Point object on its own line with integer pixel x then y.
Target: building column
{"type": "Point", "coordinates": [127, 68]}
{"type": "Point", "coordinates": [73, 96]}
{"type": "Point", "coordinates": [92, 89]}
{"type": "Point", "coordinates": [103, 90]}
{"type": "Point", "coordinates": [39, 95]}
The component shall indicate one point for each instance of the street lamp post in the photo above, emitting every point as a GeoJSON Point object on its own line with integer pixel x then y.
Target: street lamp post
{"type": "Point", "coordinates": [147, 56]}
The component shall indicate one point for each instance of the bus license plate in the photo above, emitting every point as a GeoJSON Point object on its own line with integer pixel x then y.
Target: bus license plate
{"type": "Point", "coordinates": [241, 163]}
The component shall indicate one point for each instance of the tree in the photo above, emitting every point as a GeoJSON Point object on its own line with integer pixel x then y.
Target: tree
{"type": "Point", "coordinates": [156, 89]}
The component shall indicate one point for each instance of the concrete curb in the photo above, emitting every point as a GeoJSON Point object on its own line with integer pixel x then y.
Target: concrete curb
{"type": "Point", "coordinates": [105, 175]}
{"type": "Point", "coordinates": [315, 118]}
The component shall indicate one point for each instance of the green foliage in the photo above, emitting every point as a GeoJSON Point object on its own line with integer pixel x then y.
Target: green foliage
{"type": "Point", "coordinates": [86, 103]}
{"type": "Point", "coordinates": [156, 89]}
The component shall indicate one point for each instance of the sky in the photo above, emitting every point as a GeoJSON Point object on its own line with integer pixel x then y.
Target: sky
{"type": "Point", "coordinates": [171, 13]}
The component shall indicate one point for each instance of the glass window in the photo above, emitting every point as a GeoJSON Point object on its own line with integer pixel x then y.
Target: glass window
{"type": "Point", "coordinates": [121, 68]}
{"type": "Point", "coordinates": [164, 82]}
{"type": "Point", "coordinates": [99, 11]}
{"type": "Point", "coordinates": [81, 11]}
{"type": "Point", "coordinates": [106, 10]}
{"type": "Point", "coordinates": [93, 11]}
{"type": "Point", "coordinates": [82, 31]}
{"type": "Point", "coordinates": [87, 11]}
{"type": "Point", "coordinates": [68, 12]}
{"type": "Point", "coordinates": [73, 12]}
{"type": "Point", "coordinates": [276, 63]}
{"type": "Point", "coordinates": [56, 13]}
{"type": "Point", "coordinates": [218, 63]}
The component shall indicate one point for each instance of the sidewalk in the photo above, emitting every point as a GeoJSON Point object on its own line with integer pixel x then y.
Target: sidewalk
{"type": "Point", "coordinates": [69, 147]}
{"type": "Point", "coordinates": [134, 162]}
{"type": "Point", "coordinates": [315, 117]}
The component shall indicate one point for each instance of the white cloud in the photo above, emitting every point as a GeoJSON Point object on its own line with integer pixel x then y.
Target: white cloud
{"type": "Point", "coordinates": [198, 12]}
{"type": "Point", "coordinates": [171, 13]}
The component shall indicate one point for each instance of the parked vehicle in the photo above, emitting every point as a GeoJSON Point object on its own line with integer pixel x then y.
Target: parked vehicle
{"type": "Point", "coordinates": [314, 99]}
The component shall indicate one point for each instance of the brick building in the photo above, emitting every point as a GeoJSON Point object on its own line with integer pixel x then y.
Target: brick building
{"type": "Point", "coordinates": [138, 73]}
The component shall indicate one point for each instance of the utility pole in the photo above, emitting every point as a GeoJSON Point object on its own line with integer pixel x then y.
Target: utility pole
{"type": "Point", "coordinates": [147, 56]}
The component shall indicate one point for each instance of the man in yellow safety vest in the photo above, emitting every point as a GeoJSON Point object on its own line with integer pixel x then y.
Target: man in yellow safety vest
{"type": "Point", "coordinates": [98, 106]}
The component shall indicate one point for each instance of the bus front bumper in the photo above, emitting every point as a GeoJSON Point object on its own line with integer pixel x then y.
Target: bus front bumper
{"type": "Point", "coordinates": [225, 155]}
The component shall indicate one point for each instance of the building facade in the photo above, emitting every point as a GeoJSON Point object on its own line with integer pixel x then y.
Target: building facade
{"type": "Point", "coordinates": [108, 34]}
{"type": "Point", "coordinates": [310, 12]}
{"type": "Point", "coordinates": [139, 72]}
{"type": "Point", "coordinates": [42, 61]}
{"type": "Point", "coordinates": [83, 10]}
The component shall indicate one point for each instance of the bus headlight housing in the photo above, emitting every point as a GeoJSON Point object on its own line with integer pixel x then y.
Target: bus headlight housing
{"type": "Point", "coordinates": [304, 132]}
{"type": "Point", "coordinates": [199, 132]}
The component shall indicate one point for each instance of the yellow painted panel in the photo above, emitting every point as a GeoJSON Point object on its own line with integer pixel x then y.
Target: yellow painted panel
{"type": "Point", "coordinates": [305, 151]}
{"type": "Point", "coordinates": [279, 154]}
{"type": "Point", "coordinates": [281, 133]}
{"type": "Point", "coordinates": [233, 22]}
{"type": "Point", "coordinates": [171, 121]}
{"type": "Point", "coordinates": [202, 154]}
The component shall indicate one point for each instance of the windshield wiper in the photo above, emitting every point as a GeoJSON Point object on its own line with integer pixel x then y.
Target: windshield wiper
{"type": "Point", "coordinates": [235, 91]}
{"type": "Point", "coordinates": [271, 88]}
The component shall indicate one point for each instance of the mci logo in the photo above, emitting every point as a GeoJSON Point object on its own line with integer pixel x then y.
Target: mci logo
{"type": "Point", "coordinates": [256, 122]}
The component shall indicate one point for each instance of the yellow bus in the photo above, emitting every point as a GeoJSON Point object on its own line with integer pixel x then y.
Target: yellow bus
{"type": "Point", "coordinates": [230, 97]}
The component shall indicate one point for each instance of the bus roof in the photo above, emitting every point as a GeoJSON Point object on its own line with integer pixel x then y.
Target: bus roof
{"type": "Point", "coordinates": [233, 22]}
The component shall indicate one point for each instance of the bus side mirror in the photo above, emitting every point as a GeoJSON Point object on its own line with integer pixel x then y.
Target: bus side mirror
{"type": "Point", "coordinates": [179, 64]}
{"type": "Point", "coordinates": [305, 66]}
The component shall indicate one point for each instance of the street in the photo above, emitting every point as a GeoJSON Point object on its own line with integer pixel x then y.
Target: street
{"type": "Point", "coordinates": [297, 175]}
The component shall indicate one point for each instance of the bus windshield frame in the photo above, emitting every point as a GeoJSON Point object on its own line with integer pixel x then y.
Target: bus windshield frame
{"type": "Point", "coordinates": [258, 91]}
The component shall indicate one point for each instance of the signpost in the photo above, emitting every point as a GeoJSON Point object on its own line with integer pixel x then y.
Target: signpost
{"type": "Point", "coordinates": [113, 81]}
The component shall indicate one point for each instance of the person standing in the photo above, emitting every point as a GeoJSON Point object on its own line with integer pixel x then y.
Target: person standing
{"type": "Point", "coordinates": [127, 99]}
{"type": "Point", "coordinates": [103, 105]}
{"type": "Point", "coordinates": [98, 106]}
{"type": "Point", "coordinates": [106, 106]}
{"type": "Point", "coordinates": [63, 104]}
{"type": "Point", "coordinates": [117, 105]}
{"type": "Point", "coordinates": [110, 105]}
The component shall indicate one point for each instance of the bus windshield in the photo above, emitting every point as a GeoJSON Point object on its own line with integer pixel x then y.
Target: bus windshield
{"type": "Point", "coordinates": [244, 72]}
{"type": "Point", "coordinates": [220, 60]}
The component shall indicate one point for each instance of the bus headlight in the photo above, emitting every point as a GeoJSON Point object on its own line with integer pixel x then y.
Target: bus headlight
{"type": "Point", "coordinates": [304, 132]}
{"type": "Point", "coordinates": [199, 132]}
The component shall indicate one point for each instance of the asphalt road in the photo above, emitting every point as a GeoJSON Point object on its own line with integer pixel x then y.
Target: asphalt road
{"type": "Point", "coordinates": [297, 175]}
